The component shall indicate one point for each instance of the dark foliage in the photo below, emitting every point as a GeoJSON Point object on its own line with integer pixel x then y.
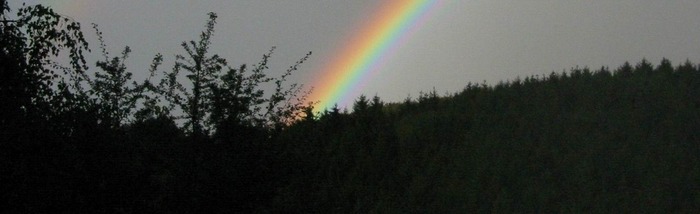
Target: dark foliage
{"type": "Point", "coordinates": [81, 141]}
{"type": "Point", "coordinates": [582, 141]}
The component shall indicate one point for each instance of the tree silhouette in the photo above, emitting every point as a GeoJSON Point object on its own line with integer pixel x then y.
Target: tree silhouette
{"type": "Point", "coordinates": [117, 99]}
{"type": "Point", "coordinates": [579, 141]}
{"type": "Point", "coordinates": [202, 72]}
{"type": "Point", "coordinates": [223, 95]}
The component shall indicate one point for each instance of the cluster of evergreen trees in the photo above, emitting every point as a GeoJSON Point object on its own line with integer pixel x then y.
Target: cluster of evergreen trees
{"type": "Point", "coordinates": [580, 141]}
{"type": "Point", "coordinates": [76, 140]}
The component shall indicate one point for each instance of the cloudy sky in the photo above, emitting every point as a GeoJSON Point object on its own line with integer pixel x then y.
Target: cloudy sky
{"type": "Point", "coordinates": [460, 41]}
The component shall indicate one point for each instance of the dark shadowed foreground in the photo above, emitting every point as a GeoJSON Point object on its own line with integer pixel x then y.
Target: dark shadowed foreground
{"type": "Point", "coordinates": [204, 137]}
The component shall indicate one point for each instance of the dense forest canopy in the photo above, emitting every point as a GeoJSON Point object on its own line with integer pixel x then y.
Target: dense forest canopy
{"type": "Point", "coordinates": [80, 139]}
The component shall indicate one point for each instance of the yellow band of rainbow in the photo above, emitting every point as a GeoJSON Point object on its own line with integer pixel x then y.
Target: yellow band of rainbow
{"type": "Point", "coordinates": [363, 54]}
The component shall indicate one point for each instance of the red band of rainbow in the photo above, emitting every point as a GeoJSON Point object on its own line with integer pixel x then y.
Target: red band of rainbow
{"type": "Point", "coordinates": [363, 54]}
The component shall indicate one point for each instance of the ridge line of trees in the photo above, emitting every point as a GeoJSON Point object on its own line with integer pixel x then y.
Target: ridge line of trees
{"type": "Point", "coordinates": [74, 140]}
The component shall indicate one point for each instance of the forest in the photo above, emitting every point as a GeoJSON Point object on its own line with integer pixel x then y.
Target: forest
{"type": "Point", "coordinates": [204, 136]}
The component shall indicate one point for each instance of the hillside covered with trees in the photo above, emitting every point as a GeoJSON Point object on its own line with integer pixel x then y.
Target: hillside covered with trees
{"type": "Point", "coordinates": [204, 136]}
{"type": "Point", "coordinates": [581, 141]}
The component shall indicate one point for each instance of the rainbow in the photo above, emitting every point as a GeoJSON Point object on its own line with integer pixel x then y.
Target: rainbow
{"type": "Point", "coordinates": [367, 49]}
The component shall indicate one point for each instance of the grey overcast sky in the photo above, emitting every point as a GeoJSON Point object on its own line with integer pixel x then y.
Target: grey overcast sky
{"type": "Point", "coordinates": [462, 41]}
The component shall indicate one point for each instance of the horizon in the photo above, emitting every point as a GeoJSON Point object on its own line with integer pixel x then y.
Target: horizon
{"type": "Point", "coordinates": [461, 42]}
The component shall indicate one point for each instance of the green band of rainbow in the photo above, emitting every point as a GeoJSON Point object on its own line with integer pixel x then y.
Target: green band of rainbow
{"type": "Point", "coordinates": [364, 53]}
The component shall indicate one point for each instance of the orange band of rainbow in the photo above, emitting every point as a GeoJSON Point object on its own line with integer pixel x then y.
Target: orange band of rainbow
{"type": "Point", "coordinates": [363, 54]}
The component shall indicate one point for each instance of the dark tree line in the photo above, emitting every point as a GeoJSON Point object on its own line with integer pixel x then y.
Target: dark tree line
{"type": "Point", "coordinates": [580, 141]}
{"type": "Point", "coordinates": [75, 139]}
{"type": "Point", "coordinates": [203, 136]}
